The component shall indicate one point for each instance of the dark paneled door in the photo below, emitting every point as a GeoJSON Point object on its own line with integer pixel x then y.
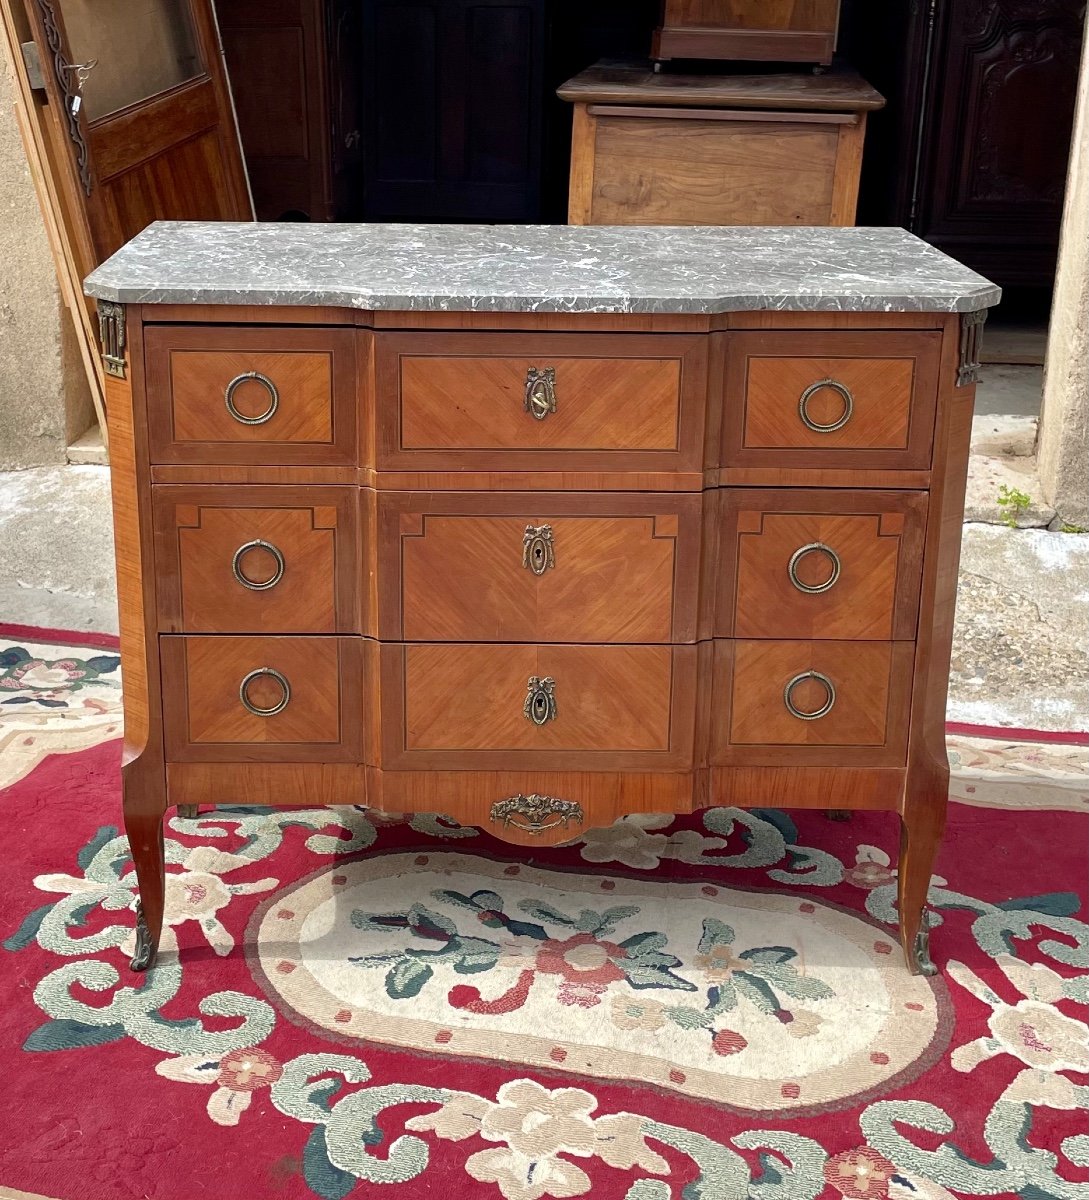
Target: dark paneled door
{"type": "Point", "coordinates": [452, 101]}
{"type": "Point", "coordinates": [972, 154]}
{"type": "Point", "coordinates": [1003, 109]}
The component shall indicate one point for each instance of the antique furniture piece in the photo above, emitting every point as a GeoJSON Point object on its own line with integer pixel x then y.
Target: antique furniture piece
{"type": "Point", "coordinates": [761, 30]}
{"type": "Point", "coordinates": [537, 526]}
{"type": "Point", "coordinates": [651, 149]}
{"type": "Point", "coordinates": [973, 152]}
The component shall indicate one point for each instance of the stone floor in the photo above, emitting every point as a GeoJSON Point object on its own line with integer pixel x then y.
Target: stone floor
{"type": "Point", "coordinates": [1022, 636]}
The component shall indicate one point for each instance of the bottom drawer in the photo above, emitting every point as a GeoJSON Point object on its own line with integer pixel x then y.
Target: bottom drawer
{"type": "Point", "coordinates": [262, 699]}
{"type": "Point", "coordinates": [524, 707]}
{"type": "Point", "coordinates": [818, 703]}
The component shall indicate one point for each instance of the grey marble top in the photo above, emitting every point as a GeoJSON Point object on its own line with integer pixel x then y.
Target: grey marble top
{"type": "Point", "coordinates": [539, 268]}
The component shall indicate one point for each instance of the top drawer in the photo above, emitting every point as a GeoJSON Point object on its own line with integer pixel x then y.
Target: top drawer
{"type": "Point", "coordinates": [830, 399]}
{"type": "Point", "coordinates": [561, 402]}
{"type": "Point", "coordinates": [226, 394]}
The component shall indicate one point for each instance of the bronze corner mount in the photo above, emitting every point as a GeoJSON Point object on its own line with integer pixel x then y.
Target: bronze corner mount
{"type": "Point", "coordinates": [111, 333]}
{"type": "Point", "coordinates": [971, 340]}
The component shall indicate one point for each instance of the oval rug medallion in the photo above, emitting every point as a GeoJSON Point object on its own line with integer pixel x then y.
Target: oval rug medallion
{"type": "Point", "coordinates": [757, 1001]}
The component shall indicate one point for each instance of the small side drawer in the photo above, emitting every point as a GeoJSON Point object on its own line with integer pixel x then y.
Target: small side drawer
{"type": "Point", "coordinates": [257, 559]}
{"type": "Point", "coordinates": [262, 699]}
{"type": "Point", "coordinates": [509, 708]}
{"type": "Point", "coordinates": [540, 401]}
{"type": "Point", "coordinates": [236, 394]}
{"type": "Point", "coordinates": [541, 567]}
{"type": "Point", "coordinates": [832, 399]}
{"type": "Point", "coordinates": [811, 703]}
{"type": "Point", "coordinates": [820, 564]}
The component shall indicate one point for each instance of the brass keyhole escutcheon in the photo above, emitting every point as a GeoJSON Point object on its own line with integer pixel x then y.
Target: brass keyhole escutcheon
{"type": "Point", "coordinates": [540, 392]}
{"type": "Point", "coordinates": [537, 550]}
{"type": "Point", "coordinates": [540, 703]}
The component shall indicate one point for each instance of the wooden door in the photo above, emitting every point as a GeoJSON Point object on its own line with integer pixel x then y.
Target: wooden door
{"type": "Point", "coordinates": [142, 107]}
{"type": "Point", "coordinates": [972, 152]}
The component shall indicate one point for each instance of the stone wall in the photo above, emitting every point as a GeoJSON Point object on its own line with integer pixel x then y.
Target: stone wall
{"type": "Point", "coordinates": [44, 398]}
{"type": "Point", "coordinates": [1063, 446]}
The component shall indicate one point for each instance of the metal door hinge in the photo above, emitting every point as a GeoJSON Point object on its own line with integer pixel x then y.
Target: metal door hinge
{"type": "Point", "coordinates": [32, 60]}
{"type": "Point", "coordinates": [111, 333]}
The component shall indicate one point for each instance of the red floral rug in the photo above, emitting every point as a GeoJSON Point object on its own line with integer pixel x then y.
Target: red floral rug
{"type": "Point", "coordinates": [706, 1008]}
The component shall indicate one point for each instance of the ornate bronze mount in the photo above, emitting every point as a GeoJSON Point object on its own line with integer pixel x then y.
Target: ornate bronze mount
{"type": "Point", "coordinates": [540, 705]}
{"type": "Point", "coordinates": [537, 552]}
{"type": "Point", "coordinates": [111, 333]}
{"type": "Point", "coordinates": [145, 948]}
{"type": "Point", "coordinates": [540, 392]}
{"type": "Point", "coordinates": [971, 341]}
{"type": "Point", "coordinates": [535, 814]}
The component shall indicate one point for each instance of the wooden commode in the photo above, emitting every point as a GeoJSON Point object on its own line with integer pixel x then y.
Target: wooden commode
{"type": "Point", "coordinates": [537, 527]}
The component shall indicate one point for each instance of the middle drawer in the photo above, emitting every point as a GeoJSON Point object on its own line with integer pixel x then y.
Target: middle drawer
{"type": "Point", "coordinates": [257, 559]}
{"type": "Point", "coordinates": [538, 567]}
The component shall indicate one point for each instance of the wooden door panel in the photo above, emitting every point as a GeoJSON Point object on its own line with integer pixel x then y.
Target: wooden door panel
{"type": "Point", "coordinates": [622, 568]}
{"type": "Point", "coordinates": [462, 707]}
{"type": "Point", "coordinates": [303, 578]}
{"type": "Point", "coordinates": [206, 719]}
{"type": "Point", "coordinates": [874, 394]}
{"type": "Point", "coordinates": [865, 557]}
{"type": "Point", "coordinates": [306, 386]}
{"type": "Point", "coordinates": [866, 686]}
{"type": "Point", "coordinates": [453, 400]}
{"type": "Point", "coordinates": [156, 138]}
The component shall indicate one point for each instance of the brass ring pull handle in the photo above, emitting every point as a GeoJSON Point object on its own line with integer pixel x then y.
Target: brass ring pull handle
{"type": "Point", "coordinates": [825, 708]}
{"type": "Point", "coordinates": [253, 584]}
{"type": "Point", "coordinates": [811, 391]}
{"type": "Point", "coordinates": [540, 392]}
{"type": "Point", "coordinates": [537, 552]}
{"type": "Point", "coordinates": [540, 703]}
{"type": "Point", "coordinates": [248, 704]}
{"type": "Point", "coordinates": [265, 382]}
{"type": "Point", "coordinates": [536, 814]}
{"type": "Point", "coordinates": [814, 589]}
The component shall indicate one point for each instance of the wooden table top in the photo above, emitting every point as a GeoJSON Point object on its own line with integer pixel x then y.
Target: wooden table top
{"type": "Point", "coordinates": [616, 81]}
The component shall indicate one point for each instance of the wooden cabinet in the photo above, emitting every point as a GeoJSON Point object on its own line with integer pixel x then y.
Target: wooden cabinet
{"type": "Point", "coordinates": [763, 30]}
{"type": "Point", "coordinates": [541, 569]}
{"type": "Point", "coordinates": [653, 149]}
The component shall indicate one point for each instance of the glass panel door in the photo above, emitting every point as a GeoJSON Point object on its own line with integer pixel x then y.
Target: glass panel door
{"type": "Point", "coordinates": [139, 48]}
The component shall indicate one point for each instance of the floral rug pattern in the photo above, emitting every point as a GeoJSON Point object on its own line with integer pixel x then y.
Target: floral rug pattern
{"type": "Point", "coordinates": [356, 1005]}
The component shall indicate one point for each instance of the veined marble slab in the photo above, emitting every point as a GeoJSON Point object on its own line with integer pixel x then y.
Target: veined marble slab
{"type": "Point", "coordinates": [539, 268]}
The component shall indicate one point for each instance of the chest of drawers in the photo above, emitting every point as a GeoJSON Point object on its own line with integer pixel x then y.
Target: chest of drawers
{"type": "Point", "coordinates": [537, 527]}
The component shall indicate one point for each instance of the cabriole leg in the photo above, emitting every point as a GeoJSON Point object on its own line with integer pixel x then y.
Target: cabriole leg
{"type": "Point", "coordinates": [144, 827]}
{"type": "Point", "coordinates": [922, 823]}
